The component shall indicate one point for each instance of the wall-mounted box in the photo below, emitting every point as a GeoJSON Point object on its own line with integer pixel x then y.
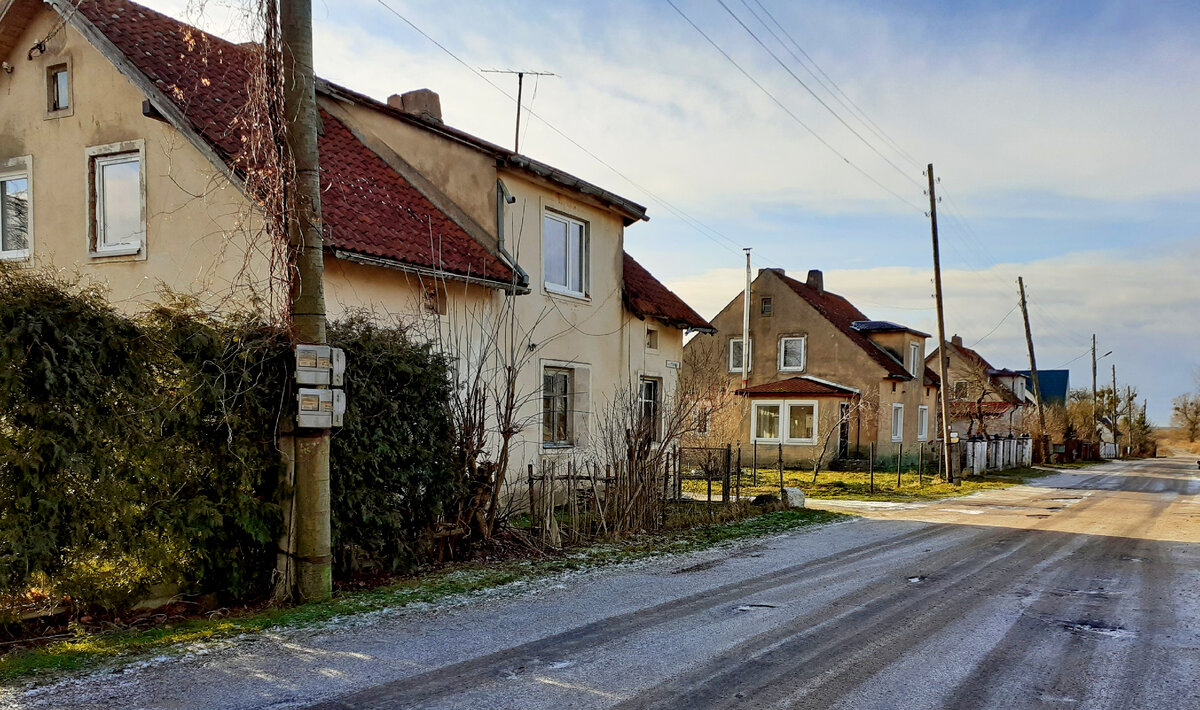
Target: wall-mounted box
{"type": "Point", "coordinates": [320, 409]}
{"type": "Point", "coordinates": [320, 365]}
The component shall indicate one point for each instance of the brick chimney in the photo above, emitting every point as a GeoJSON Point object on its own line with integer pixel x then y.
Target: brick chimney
{"type": "Point", "coordinates": [816, 280]}
{"type": "Point", "coordinates": [956, 340]}
{"type": "Point", "coordinates": [422, 103]}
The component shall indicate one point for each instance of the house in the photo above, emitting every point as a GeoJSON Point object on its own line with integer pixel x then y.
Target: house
{"type": "Point", "coordinates": [824, 380]}
{"type": "Point", "coordinates": [124, 138]}
{"type": "Point", "coordinates": [983, 400]}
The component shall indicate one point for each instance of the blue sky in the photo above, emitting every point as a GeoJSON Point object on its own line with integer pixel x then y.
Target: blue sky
{"type": "Point", "coordinates": [1064, 134]}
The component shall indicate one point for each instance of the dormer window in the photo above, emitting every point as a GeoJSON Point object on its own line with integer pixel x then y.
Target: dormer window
{"type": "Point", "coordinates": [58, 91]}
{"type": "Point", "coordinates": [914, 359]}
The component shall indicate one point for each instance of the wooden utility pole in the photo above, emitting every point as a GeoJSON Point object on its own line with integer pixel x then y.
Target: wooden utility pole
{"type": "Point", "coordinates": [1115, 412]}
{"type": "Point", "coordinates": [746, 326]}
{"type": "Point", "coordinates": [941, 326]}
{"type": "Point", "coordinates": [311, 517]}
{"type": "Point", "coordinates": [1095, 434]}
{"type": "Point", "coordinates": [1033, 373]}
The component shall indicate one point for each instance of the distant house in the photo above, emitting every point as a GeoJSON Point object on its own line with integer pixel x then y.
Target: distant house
{"type": "Point", "coordinates": [1054, 384]}
{"type": "Point", "coordinates": [824, 379]}
{"type": "Point", "coordinates": [983, 399]}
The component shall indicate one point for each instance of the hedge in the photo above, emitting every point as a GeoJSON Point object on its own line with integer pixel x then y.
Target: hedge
{"type": "Point", "coordinates": [142, 451]}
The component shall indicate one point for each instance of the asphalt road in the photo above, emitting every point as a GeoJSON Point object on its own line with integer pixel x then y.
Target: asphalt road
{"type": "Point", "coordinates": [1079, 591]}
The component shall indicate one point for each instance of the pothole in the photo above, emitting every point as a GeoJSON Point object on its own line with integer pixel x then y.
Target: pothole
{"type": "Point", "coordinates": [916, 579]}
{"type": "Point", "coordinates": [698, 567]}
{"type": "Point", "coordinates": [1097, 629]}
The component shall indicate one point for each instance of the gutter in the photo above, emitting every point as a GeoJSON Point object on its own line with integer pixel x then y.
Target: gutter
{"type": "Point", "coordinates": [504, 197]}
{"type": "Point", "coordinates": [515, 288]}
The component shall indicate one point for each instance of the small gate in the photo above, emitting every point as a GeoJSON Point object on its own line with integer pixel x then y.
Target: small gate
{"type": "Point", "coordinates": [709, 464]}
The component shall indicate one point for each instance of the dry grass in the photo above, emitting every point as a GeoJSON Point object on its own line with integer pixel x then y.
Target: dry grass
{"type": "Point", "coordinates": [857, 485]}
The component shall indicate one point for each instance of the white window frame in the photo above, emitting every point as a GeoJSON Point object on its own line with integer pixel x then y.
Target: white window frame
{"type": "Point", "coordinates": [113, 154]}
{"type": "Point", "coordinates": [20, 167]}
{"type": "Point", "coordinates": [766, 306]}
{"type": "Point", "coordinates": [585, 259]}
{"type": "Point", "coordinates": [778, 404]}
{"type": "Point", "coordinates": [655, 335]}
{"type": "Point", "coordinates": [737, 367]}
{"type": "Point", "coordinates": [897, 407]}
{"type": "Point", "coordinates": [786, 424]}
{"type": "Point", "coordinates": [914, 356]}
{"type": "Point", "coordinates": [923, 422]}
{"type": "Point", "coordinates": [657, 402]}
{"type": "Point", "coordinates": [803, 355]}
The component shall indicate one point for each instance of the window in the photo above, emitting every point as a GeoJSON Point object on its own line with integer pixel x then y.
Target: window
{"type": "Point", "coordinates": [922, 423]}
{"type": "Point", "coordinates": [766, 307]}
{"type": "Point", "coordinates": [118, 222]}
{"type": "Point", "coordinates": [557, 385]}
{"type": "Point", "coordinates": [58, 91]}
{"type": "Point", "coordinates": [703, 415]}
{"type": "Point", "coordinates": [914, 359]}
{"type": "Point", "coordinates": [651, 339]}
{"type": "Point", "coordinates": [735, 356]}
{"type": "Point", "coordinates": [960, 389]}
{"type": "Point", "coordinates": [435, 300]}
{"type": "Point", "coordinates": [564, 255]}
{"type": "Point", "coordinates": [1019, 386]}
{"type": "Point", "coordinates": [802, 422]}
{"type": "Point", "coordinates": [897, 422]}
{"type": "Point", "coordinates": [791, 353]}
{"type": "Point", "coordinates": [650, 405]}
{"type": "Point", "coordinates": [15, 213]}
{"type": "Point", "coordinates": [766, 422]}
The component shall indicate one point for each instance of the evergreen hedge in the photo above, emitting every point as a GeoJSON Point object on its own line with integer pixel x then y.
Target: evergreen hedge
{"type": "Point", "coordinates": [143, 451]}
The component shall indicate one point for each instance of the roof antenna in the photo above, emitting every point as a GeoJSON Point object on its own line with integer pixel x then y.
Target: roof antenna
{"type": "Point", "coordinates": [520, 89]}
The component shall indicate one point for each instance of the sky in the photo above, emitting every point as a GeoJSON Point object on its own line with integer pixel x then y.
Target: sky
{"type": "Point", "coordinates": [1063, 137]}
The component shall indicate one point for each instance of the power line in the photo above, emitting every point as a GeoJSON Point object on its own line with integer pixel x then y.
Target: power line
{"type": "Point", "coordinates": [997, 327]}
{"type": "Point", "coordinates": [819, 100]}
{"type": "Point", "coordinates": [788, 111]}
{"type": "Point", "coordinates": [837, 90]}
{"type": "Point", "coordinates": [704, 230]}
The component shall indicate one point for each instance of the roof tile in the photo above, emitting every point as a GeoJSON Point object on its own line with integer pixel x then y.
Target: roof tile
{"type": "Point", "coordinates": [646, 296]}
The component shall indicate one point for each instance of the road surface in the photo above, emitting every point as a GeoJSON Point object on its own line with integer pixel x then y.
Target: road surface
{"type": "Point", "coordinates": [1081, 590]}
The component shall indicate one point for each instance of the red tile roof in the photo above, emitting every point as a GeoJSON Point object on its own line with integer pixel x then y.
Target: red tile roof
{"type": "Point", "coordinates": [975, 360]}
{"type": "Point", "coordinates": [647, 297]}
{"type": "Point", "coordinates": [367, 207]}
{"type": "Point", "coordinates": [801, 385]}
{"type": "Point", "coordinates": [842, 314]}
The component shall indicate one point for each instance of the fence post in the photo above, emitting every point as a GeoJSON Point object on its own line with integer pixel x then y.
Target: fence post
{"type": "Point", "coordinates": [531, 499]}
{"type": "Point", "coordinates": [738, 488]}
{"type": "Point", "coordinates": [871, 466]}
{"type": "Point", "coordinates": [666, 487]}
{"type": "Point", "coordinates": [920, 465]}
{"type": "Point", "coordinates": [782, 493]}
{"type": "Point", "coordinates": [754, 480]}
{"type": "Point", "coordinates": [708, 476]}
{"type": "Point", "coordinates": [899, 458]}
{"type": "Point", "coordinates": [725, 481]}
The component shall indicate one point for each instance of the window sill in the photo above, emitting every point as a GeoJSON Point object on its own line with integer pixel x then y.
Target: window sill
{"type": "Point", "coordinates": [132, 250]}
{"type": "Point", "coordinates": [22, 255]}
{"type": "Point", "coordinates": [791, 369]}
{"type": "Point", "coordinates": [897, 440]}
{"type": "Point", "coordinates": [557, 447]}
{"type": "Point", "coordinates": [765, 441]}
{"type": "Point", "coordinates": [558, 291]}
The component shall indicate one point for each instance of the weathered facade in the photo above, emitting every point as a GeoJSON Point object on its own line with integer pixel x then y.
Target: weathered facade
{"type": "Point", "coordinates": [122, 134]}
{"type": "Point", "coordinates": [824, 380]}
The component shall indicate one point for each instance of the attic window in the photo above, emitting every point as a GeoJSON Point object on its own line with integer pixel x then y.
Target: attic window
{"type": "Point", "coordinates": [651, 339]}
{"type": "Point", "coordinates": [766, 306]}
{"type": "Point", "coordinates": [58, 91]}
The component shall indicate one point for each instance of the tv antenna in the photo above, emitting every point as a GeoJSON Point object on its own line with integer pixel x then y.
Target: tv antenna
{"type": "Point", "coordinates": [520, 89]}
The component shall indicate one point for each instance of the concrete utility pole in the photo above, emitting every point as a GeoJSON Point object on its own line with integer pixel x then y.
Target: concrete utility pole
{"type": "Point", "coordinates": [943, 356]}
{"type": "Point", "coordinates": [314, 579]}
{"type": "Point", "coordinates": [1037, 389]}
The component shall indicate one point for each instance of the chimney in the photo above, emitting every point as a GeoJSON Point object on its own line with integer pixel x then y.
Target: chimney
{"type": "Point", "coordinates": [775, 270]}
{"type": "Point", "coordinates": [816, 280]}
{"type": "Point", "coordinates": [956, 340]}
{"type": "Point", "coordinates": [422, 103]}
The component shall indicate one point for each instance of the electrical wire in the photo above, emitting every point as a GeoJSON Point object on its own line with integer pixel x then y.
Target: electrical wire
{"type": "Point", "coordinates": [997, 327]}
{"type": "Point", "coordinates": [788, 111]}
{"type": "Point", "coordinates": [903, 173]}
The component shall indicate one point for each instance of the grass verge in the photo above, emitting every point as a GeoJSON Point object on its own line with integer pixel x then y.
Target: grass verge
{"type": "Point", "coordinates": [90, 650]}
{"type": "Point", "coordinates": [856, 485]}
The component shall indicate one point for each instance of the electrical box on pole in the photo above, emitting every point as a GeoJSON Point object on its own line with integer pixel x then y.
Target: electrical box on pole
{"type": "Point", "coordinates": [320, 365]}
